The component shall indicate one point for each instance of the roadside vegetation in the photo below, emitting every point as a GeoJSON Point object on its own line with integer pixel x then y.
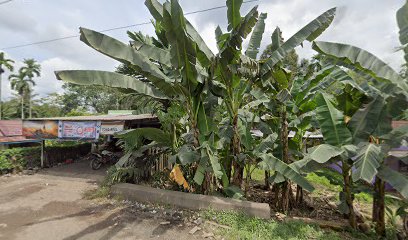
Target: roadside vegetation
{"type": "Point", "coordinates": [17, 159]}
{"type": "Point", "coordinates": [226, 114]}
{"type": "Point", "coordinates": [235, 116]}
{"type": "Point", "coordinates": [240, 226]}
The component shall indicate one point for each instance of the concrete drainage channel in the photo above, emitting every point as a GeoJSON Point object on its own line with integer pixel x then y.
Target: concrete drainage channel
{"type": "Point", "coordinates": [145, 194]}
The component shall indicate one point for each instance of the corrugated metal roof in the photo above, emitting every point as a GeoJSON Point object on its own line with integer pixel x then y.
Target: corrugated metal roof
{"type": "Point", "coordinates": [11, 128]}
{"type": "Point", "coordinates": [17, 139]}
{"type": "Point", "coordinates": [127, 117]}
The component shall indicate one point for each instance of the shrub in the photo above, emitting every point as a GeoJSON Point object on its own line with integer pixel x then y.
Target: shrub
{"type": "Point", "coordinates": [18, 158]}
{"type": "Point", "coordinates": [23, 157]}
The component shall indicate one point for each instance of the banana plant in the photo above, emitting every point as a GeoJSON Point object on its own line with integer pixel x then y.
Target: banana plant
{"type": "Point", "coordinates": [173, 67]}
{"type": "Point", "coordinates": [228, 82]}
{"type": "Point", "coordinates": [276, 83]}
{"type": "Point", "coordinates": [402, 20]}
{"type": "Point", "coordinates": [358, 127]}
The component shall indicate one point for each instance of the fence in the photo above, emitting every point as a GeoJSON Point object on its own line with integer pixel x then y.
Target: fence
{"type": "Point", "coordinates": [59, 154]}
{"type": "Point", "coordinates": [162, 162]}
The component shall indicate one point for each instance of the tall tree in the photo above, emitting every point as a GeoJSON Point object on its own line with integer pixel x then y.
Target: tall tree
{"type": "Point", "coordinates": [30, 70]}
{"type": "Point", "coordinates": [22, 86]}
{"type": "Point", "coordinates": [7, 64]}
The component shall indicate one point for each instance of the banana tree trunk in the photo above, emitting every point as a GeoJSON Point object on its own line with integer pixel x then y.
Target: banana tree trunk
{"type": "Point", "coordinates": [227, 164]}
{"type": "Point", "coordinates": [299, 195]}
{"type": "Point", "coordinates": [267, 175]}
{"type": "Point", "coordinates": [379, 206]}
{"type": "Point", "coordinates": [236, 150]}
{"type": "Point", "coordinates": [286, 186]}
{"type": "Point", "coordinates": [206, 185]}
{"type": "Point", "coordinates": [347, 189]}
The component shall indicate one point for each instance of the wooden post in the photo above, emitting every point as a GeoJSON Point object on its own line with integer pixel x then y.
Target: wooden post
{"type": "Point", "coordinates": [42, 153]}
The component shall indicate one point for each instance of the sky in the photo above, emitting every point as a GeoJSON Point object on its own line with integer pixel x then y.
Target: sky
{"type": "Point", "coordinates": [368, 24]}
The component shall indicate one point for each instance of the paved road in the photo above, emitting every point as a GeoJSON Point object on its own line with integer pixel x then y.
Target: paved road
{"type": "Point", "coordinates": [50, 205]}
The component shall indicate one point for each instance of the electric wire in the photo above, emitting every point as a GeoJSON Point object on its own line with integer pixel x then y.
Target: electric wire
{"type": "Point", "coordinates": [113, 29]}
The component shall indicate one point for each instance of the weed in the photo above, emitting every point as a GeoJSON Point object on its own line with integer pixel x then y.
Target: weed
{"type": "Point", "coordinates": [100, 192]}
{"type": "Point", "coordinates": [244, 227]}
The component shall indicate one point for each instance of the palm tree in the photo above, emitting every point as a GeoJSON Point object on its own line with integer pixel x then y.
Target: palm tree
{"type": "Point", "coordinates": [31, 96]}
{"type": "Point", "coordinates": [7, 63]}
{"type": "Point", "coordinates": [30, 70]}
{"type": "Point", "coordinates": [22, 84]}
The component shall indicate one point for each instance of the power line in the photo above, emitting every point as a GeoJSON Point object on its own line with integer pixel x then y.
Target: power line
{"type": "Point", "coordinates": [4, 2]}
{"type": "Point", "coordinates": [112, 29]}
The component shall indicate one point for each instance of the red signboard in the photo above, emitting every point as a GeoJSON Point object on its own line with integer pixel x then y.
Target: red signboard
{"type": "Point", "coordinates": [11, 128]}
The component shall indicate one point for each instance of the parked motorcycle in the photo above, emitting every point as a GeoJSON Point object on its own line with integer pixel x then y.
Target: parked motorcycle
{"type": "Point", "coordinates": [98, 159]}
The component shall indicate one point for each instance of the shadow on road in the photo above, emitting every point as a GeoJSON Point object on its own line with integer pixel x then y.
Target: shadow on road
{"type": "Point", "coordinates": [80, 169]}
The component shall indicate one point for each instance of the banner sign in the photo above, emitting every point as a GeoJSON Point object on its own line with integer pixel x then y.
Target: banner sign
{"type": "Point", "coordinates": [79, 129]}
{"type": "Point", "coordinates": [40, 129]}
{"type": "Point", "coordinates": [110, 128]}
{"type": "Point", "coordinates": [11, 128]}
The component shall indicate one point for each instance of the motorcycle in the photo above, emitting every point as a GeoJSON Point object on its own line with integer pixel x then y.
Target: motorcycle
{"type": "Point", "coordinates": [103, 158]}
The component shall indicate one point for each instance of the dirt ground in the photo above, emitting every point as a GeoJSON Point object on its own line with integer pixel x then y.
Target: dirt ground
{"type": "Point", "coordinates": [51, 205]}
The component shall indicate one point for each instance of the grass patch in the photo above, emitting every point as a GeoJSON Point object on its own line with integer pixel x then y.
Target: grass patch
{"type": "Point", "coordinates": [244, 227]}
{"type": "Point", "coordinates": [100, 192]}
{"type": "Point", "coordinates": [322, 180]}
{"type": "Point", "coordinates": [333, 181]}
{"type": "Point", "coordinates": [258, 175]}
{"type": "Point", "coordinates": [364, 197]}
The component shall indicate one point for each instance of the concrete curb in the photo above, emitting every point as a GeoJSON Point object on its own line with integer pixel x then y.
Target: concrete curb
{"type": "Point", "coordinates": [139, 193]}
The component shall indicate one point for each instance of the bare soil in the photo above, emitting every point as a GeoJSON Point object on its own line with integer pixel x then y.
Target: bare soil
{"type": "Point", "coordinates": [51, 205]}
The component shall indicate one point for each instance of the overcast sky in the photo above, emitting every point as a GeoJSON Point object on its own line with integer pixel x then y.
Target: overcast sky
{"type": "Point", "coordinates": [369, 24]}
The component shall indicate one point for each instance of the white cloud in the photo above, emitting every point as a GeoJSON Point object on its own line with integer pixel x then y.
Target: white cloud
{"type": "Point", "coordinates": [47, 83]}
{"type": "Point", "coordinates": [369, 24]}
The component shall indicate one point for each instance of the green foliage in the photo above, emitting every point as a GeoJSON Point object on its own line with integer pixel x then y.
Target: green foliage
{"type": "Point", "coordinates": [77, 100]}
{"type": "Point", "coordinates": [17, 158]}
{"type": "Point", "coordinates": [402, 21]}
{"type": "Point", "coordinates": [61, 144]}
{"type": "Point", "coordinates": [364, 197]}
{"type": "Point", "coordinates": [244, 227]}
{"type": "Point", "coordinates": [331, 122]}
{"type": "Point", "coordinates": [320, 179]}
{"type": "Point", "coordinates": [122, 175]}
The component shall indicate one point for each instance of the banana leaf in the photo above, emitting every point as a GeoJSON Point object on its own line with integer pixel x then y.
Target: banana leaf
{"type": "Point", "coordinates": [127, 55]}
{"type": "Point", "coordinates": [154, 134]}
{"type": "Point", "coordinates": [256, 37]}
{"type": "Point", "coordinates": [365, 121]}
{"type": "Point", "coordinates": [395, 179]}
{"type": "Point", "coordinates": [361, 60]}
{"type": "Point", "coordinates": [156, 9]}
{"type": "Point", "coordinates": [111, 79]}
{"type": "Point", "coordinates": [331, 122]}
{"type": "Point", "coordinates": [231, 47]}
{"type": "Point", "coordinates": [277, 39]}
{"type": "Point", "coordinates": [324, 152]}
{"type": "Point", "coordinates": [368, 160]}
{"type": "Point", "coordinates": [152, 52]}
{"type": "Point", "coordinates": [183, 52]}
{"type": "Point", "coordinates": [233, 14]}
{"type": "Point", "coordinates": [187, 155]}
{"type": "Point", "coordinates": [310, 32]}
{"type": "Point", "coordinates": [402, 20]}
{"type": "Point", "coordinates": [269, 162]}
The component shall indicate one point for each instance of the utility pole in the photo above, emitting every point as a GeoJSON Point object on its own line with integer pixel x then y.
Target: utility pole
{"type": "Point", "coordinates": [1, 102]}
